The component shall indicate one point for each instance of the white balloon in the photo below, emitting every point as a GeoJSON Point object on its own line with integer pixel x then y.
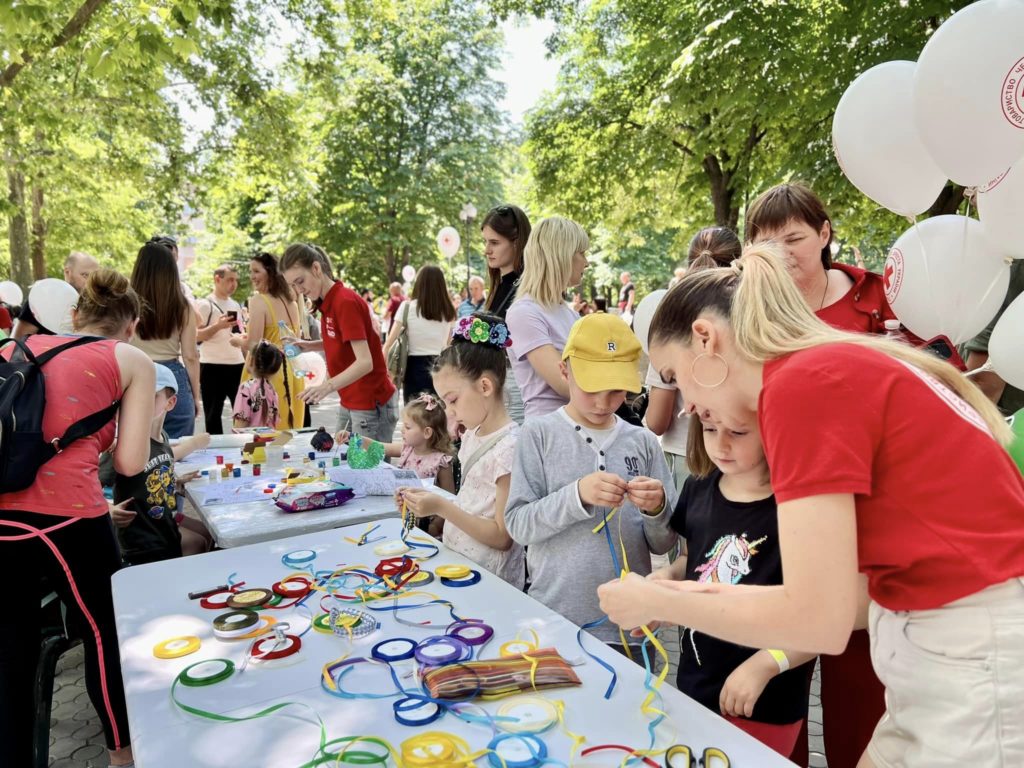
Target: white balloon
{"type": "Point", "coordinates": [944, 278]}
{"type": "Point", "coordinates": [877, 145]}
{"type": "Point", "coordinates": [644, 313]}
{"type": "Point", "coordinates": [310, 363]}
{"type": "Point", "coordinates": [448, 241]}
{"type": "Point", "coordinates": [11, 293]}
{"type": "Point", "coordinates": [969, 92]}
{"type": "Point", "coordinates": [408, 273]}
{"type": "Point", "coordinates": [51, 301]}
{"type": "Point", "coordinates": [1001, 209]}
{"type": "Point", "coordinates": [1006, 345]}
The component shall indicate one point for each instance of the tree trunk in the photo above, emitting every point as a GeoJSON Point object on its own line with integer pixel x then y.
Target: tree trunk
{"type": "Point", "coordinates": [389, 264]}
{"type": "Point", "coordinates": [38, 231]}
{"type": "Point", "coordinates": [949, 201]}
{"type": "Point", "coordinates": [727, 214]}
{"type": "Point", "coordinates": [17, 233]}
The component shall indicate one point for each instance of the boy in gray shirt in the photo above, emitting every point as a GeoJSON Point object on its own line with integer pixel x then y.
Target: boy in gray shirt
{"type": "Point", "coordinates": [574, 466]}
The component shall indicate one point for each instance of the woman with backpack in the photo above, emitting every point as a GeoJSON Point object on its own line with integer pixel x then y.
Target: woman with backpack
{"type": "Point", "coordinates": [59, 525]}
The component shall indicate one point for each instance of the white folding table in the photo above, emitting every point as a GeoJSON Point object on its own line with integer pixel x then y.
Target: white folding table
{"type": "Point", "coordinates": [151, 605]}
{"type": "Point", "coordinates": [235, 525]}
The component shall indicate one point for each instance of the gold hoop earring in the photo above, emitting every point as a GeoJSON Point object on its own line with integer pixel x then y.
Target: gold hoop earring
{"type": "Point", "coordinates": [693, 370]}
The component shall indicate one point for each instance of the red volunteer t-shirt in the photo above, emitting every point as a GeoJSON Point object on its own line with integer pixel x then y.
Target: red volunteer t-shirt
{"type": "Point", "coordinates": [344, 319]}
{"type": "Point", "coordinates": [940, 504]}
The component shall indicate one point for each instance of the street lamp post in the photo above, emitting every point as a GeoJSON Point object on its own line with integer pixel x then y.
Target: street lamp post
{"type": "Point", "coordinates": [466, 216]}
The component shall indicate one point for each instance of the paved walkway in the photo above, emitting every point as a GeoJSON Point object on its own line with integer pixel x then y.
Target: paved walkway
{"type": "Point", "coordinates": [76, 739]}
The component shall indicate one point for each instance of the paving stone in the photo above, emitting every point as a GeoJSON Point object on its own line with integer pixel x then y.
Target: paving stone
{"type": "Point", "coordinates": [90, 752]}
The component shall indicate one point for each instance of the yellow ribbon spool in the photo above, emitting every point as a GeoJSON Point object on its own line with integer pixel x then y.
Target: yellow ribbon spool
{"type": "Point", "coordinates": [452, 571]}
{"type": "Point", "coordinates": [533, 715]}
{"type": "Point", "coordinates": [391, 548]}
{"type": "Point", "coordinates": [515, 648]}
{"type": "Point", "coordinates": [176, 647]}
{"type": "Point", "coordinates": [437, 749]}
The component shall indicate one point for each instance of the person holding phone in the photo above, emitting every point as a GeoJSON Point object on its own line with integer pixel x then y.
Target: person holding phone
{"type": "Point", "coordinates": [220, 363]}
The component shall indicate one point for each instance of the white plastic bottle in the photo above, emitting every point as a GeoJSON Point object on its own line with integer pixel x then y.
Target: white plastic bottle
{"type": "Point", "coordinates": [893, 332]}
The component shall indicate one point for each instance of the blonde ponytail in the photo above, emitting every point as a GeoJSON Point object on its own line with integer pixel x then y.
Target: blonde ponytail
{"type": "Point", "coordinates": [770, 318]}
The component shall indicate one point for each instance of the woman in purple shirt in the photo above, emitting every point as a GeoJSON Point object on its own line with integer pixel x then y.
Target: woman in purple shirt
{"type": "Point", "coordinates": [539, 319]}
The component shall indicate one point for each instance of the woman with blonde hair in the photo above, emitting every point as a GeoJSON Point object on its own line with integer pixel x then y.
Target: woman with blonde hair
{"type": "Point", "coordinates": [868, 441]}
{"type": "Point", "coordinates": [539, 320]}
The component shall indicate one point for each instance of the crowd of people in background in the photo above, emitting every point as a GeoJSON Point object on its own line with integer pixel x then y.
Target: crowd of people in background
{"type": "Point", "coordinates": [786, 444]}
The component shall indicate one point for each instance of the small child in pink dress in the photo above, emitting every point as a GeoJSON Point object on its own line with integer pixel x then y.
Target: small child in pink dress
{"type": "Point", "coordinates": [256, 404]}
{"type": "Point", "coordinates": [426, 446]}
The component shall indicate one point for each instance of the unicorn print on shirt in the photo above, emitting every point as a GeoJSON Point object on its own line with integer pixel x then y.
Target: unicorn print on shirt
{"type": "Point", "coordinates": [729, 559]}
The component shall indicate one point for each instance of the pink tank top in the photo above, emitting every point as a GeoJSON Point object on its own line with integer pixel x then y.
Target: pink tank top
{"type": "Point", "coordinates": [79, 382]}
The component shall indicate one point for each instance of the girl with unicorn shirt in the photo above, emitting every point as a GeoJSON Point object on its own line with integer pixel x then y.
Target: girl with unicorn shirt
{"type": "Point", "coordinates": [727, 518]}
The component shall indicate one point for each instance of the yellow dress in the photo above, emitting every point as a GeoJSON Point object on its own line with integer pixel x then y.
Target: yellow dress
{"type": "Point", "coordinates": [293, 410]}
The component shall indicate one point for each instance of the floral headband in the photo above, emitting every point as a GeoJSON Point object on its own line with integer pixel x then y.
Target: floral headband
{"type": "Point", "coordinates": [479, 331]}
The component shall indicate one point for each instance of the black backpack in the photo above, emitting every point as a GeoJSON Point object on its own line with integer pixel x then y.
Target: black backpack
{"type": "Point", "coordinates": [23, 451]}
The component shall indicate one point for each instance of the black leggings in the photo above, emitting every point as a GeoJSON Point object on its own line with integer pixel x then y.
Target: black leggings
{"type": "Point", "coordinates": [78, 560]}
{"type": "Point", "coordinates": [217, 381]}
{"type": "Point", "coordinates": [417, 377]}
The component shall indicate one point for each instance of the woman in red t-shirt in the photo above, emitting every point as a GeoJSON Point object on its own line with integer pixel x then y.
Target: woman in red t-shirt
{"type": "Point", "coordinates": [845, 297]}
{"type": "Point", "coordinates": [868, 442]}
{"type": "Point", "coordinates": [59, 527]}
{"type": "Point", "coordinates": [850, 299]}
{"type": "Point", "coordinates": [355, 358]}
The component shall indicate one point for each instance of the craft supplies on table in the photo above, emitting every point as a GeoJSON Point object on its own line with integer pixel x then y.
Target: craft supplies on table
{"type": "Point", "coordinates": [267, 700]}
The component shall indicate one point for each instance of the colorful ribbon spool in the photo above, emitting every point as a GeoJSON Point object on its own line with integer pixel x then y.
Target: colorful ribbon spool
{"type": "Point", "coordinates": [420, 579]}
{"type": "Point", "coordinates": [435, 749]}
{"type": "Point", "coordinates": [517, 750]}
{"type": "Point", "coordinates": [442, 649]}
{"type": "Point", "coordinates": [262, 625]}
{"type": "Point", "coordinates": [292, 587]}
{"type": "Point", "coordinates": [218, 601]}
{"type": "Point", "coordinates": [270, 648]}
{"type": "Point", "coordinates": [515, 648]}
{"type": "Point", "coordinates": [397, 649]}
{"type": "Point", "coordinates": [250, 598]}
{"type": "Point", "coordinates": [527, 714]}
{"type": "Point", "coordinates": [473, 578]}
{"type": "Point", "coordinates": [392, 548]}
{"type": "Point", "coordinates": [322, 623]}
{"type": "Point", "coordinates": [416, 712]}
{"type": "Point", "coordinates": [206, 672]}
{"type": "Point", "coordinates": [393, 567]}
{"type": "Point", "coordinates": [472, 633]}
{"type": "Point", "coordinates": [176, 647]}
{"type": "Point", "coordinates": [452, 571]}
{"type": "Point", "coordinates": [235, 623]}
{"type": "Point", "coordinates": [299, 560]}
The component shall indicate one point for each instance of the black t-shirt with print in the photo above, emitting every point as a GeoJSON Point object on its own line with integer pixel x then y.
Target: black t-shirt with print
{"type": "Point", "coordinates": [734, 543]}
{"type": "Point", "coordinates": [153, 534]}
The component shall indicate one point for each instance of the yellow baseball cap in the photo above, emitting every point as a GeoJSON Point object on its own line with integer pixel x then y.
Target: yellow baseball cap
{"type": "Point", "coordinates": [604, 354]}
